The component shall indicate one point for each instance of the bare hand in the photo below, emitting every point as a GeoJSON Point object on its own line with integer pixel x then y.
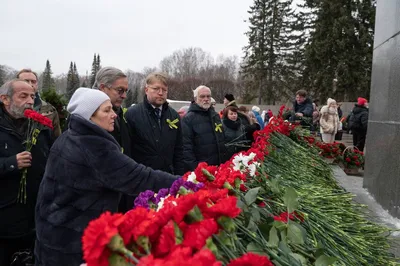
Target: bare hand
{"type": "Point", "coordinates": [24, 159]}
{"type": "Point", "coordinates": [253, 120]}
{"type": "Point", "coordinates": [299, 114]}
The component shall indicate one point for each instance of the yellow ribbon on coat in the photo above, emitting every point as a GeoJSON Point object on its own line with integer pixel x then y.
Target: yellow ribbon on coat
{"type": "Point", "coordinates": [172, 124]}
{"type": "Point", "coordinates": [218, 127]}
{"type": "Point", "coordinates": [124, 110]}
{"type": "Point", "coordinates": [35, 135]}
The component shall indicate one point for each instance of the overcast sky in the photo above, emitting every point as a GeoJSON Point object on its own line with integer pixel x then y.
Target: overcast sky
{"type": "Point", "coordinates": [128, 34]}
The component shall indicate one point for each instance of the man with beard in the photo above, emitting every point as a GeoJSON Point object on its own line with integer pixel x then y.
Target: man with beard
{"type": "Point", "coordinates": [203, 139]}
{"type": "Point", "coordinates": [39, 105]}
{"type": "Point", "coordinates": [17, 228]}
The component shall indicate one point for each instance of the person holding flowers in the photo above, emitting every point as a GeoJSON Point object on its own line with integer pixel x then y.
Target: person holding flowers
{"type": "Point", "coordinates": [329, 121]}
{"type": "Point", "coordinates": [85, 176]}
{"type": "Point", "coordinates": [17, 227]}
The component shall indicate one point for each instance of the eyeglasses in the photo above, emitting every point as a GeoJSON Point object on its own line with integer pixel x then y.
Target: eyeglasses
{"type": "Point", "coordinates": [120, 91]}
{"type": "Point", "coordinates": [158, 89]}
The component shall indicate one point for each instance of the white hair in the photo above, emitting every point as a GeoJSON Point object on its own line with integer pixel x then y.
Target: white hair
{"type": "Point", "coordinates": [8, 87]}
{"type": "Point", "coordinates": [196, 91]}
{"type": "Point", "coordinates": [107, 76]}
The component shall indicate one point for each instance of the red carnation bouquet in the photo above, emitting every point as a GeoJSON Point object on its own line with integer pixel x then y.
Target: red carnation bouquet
{"type": "Point", "coordinates": [36, 123]}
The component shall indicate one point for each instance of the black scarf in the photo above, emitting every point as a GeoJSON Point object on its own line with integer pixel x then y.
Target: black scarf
{"type": "Point", "coordinates": [234, 125]}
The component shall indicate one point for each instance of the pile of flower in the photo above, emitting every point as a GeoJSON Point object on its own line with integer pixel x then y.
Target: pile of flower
{"type": "Point", "coordinates": [276, 204]}
{"type": "Point", "coordinates": [353, 158]}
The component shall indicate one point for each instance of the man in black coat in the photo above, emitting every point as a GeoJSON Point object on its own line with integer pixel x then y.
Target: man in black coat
{"type": "Point", "coordinates": [203, 139]}
{"type": "Point", "coordinates": [302, 108]}
{"type": "Point", "coordinates": [156, 129]}
{"type": "Point", "coordinates": [113, 82]}
{"type": "Point", "coordinates": [358, 123]}
{"type": "Point", "coordinates": [17, 227]}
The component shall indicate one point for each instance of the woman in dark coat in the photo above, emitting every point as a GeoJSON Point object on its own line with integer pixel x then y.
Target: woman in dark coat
{"type": "Point", "coordinates": [238, 137]}
{"type": "Point", "coordinates": [85, 176]}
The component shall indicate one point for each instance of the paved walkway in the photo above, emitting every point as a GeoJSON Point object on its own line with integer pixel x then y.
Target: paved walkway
{"type": "Point", "coordinates": [354, 185]}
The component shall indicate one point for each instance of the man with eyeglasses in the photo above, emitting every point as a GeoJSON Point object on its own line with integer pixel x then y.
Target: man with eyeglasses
{"type": "Point", "coordinates": [39, 105]}
{"type": "Point", "coordinates": [156, 128]}
{"type": "Point", "coordinates": [113, 82]}
{"type": "Point", "coordinates": [203, 137]}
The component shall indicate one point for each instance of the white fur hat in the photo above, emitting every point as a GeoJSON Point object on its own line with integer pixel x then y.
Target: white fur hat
{"type": "Point", "coordinates": [331, 101]}
{"type": "Point", "coordinates": [255, 109]}
{"type": "Point", "coordinates": [84, 102]}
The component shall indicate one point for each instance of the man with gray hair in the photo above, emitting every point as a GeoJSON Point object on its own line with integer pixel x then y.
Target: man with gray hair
{"type": "Point", "coordinates": [203, 139]}
{"type": "Point", "coordinates": [39, 105]}
{"type": "Point", "coordinates": [17, 228]}
{"type": "Point", "coordinates": [113, 82]}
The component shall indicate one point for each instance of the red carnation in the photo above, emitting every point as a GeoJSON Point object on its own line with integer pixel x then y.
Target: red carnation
{"type": "Point", "coordinates": [196, 234]}
{"type": "Point", "coordinates": [30, 114]}
{"type": "Point", "coordinates": [251, 259]}
{"type": "Point", "coordinates": [348, 159]}
{"type": "Point", "coordinates": [97, 236]}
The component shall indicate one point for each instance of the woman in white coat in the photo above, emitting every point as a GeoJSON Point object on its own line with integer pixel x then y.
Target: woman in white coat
{"type": "Point", "coordinates": [329, 121]}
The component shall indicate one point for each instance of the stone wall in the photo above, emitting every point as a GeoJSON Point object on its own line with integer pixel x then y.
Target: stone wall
{"type": "Point", "coordinates": [382, 170]}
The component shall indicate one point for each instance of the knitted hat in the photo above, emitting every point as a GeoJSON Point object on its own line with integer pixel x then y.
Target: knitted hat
{"type": "Point", "coordinates": [84, 102]}
{"type": "Point", "coordinates": [331, 101]}
{"type": "Point", "coordinates": [255, 109]}
{"type": "Point", "coordinates": [229, 97]}
{"type": "Point", "coordinates": [361, 101]}
{"type": "Point", "coordinates": [213, 100]}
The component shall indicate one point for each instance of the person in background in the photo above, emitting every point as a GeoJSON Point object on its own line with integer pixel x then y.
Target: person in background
{"type": "Point", "coordinates": [156, 130]}
{"type": "Point", "coordinates": [256, 112]}
{"type": "Point", "coordinates": [213, 103]}
{"type": "Point", "coordinates": [39, 105]}
{"type": "Point", "coordinates": [85, 176]}
{"type": "Point", "coordinates": [183, 110]}
{"type": "Point", "coordinates": [17, 223]}
{"type": "Point", "coordinates": [358, 123]}
{"type": "Point", "coordinates": [329, 121]}
{"type": "Point", "coordinates": [302, 107]}
{"type": "Point", "coordinates": [237, 136]}
{"type": "Point", "coordinates": [340, 112]}
{"type": "Point", "coordinates": [113, 82]}
{"type": "Point", "coordinates": [203, 137]}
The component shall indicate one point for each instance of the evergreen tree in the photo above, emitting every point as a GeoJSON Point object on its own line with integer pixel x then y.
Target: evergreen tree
{"type": "Point", "coordinates": [2, 75]}
{"type": "Point", "coordinates": [70, 81]}
{"type": "Point", "coordinates": [94, 71]}
{"type": "Point", "coordinates": [338, 56]}
{"type": "Point", "coordinates": [98, 63]}
{"type": "Point", "coordinates": [269, 51]}
{"type": "Point", "coordinates": [76, 81]}
{"type": "Point", "coordinates": [48, 81]}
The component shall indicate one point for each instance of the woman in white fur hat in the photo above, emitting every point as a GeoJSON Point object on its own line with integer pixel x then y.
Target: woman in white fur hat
{"type": "Point", "coordinates": [329, 121]}
{"type": "Point", "coordinates": [86, 173]}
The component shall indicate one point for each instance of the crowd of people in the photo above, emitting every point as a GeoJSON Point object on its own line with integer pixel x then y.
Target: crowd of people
{"type": "Point", "coordinates": [107, 155]}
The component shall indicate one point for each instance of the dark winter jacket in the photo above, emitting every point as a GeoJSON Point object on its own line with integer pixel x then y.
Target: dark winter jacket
{"type": "Point", "coordinates": [236, 136]}
{"type": "Point", "coordinates": [203, 137]}
{"type": "Point", "coordinates": [18, 219]}
{"type": "Point", "coordinates": [155, 145]}
{"type": "Point", "coordinates": [121, 131]}
{"type": "Point", "coordinates": [358, 122]}
{"type": "Point", "coordinates": [84, 177]}
{"type": "Point", "coordinates": [306, 108]}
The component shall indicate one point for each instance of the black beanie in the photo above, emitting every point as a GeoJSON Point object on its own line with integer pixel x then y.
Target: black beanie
{"type": "Point", "coordinates": [229, 97]}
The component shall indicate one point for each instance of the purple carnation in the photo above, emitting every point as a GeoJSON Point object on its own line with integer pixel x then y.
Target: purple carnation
{"type": "Point", "coordinates": [175, 186]}
{"type": "Point", "coordinates": [186, 184]}
{"type": "Point", "coordinates": [162, 193]}
{"type": "Point", "coordinates": [144, 198]}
